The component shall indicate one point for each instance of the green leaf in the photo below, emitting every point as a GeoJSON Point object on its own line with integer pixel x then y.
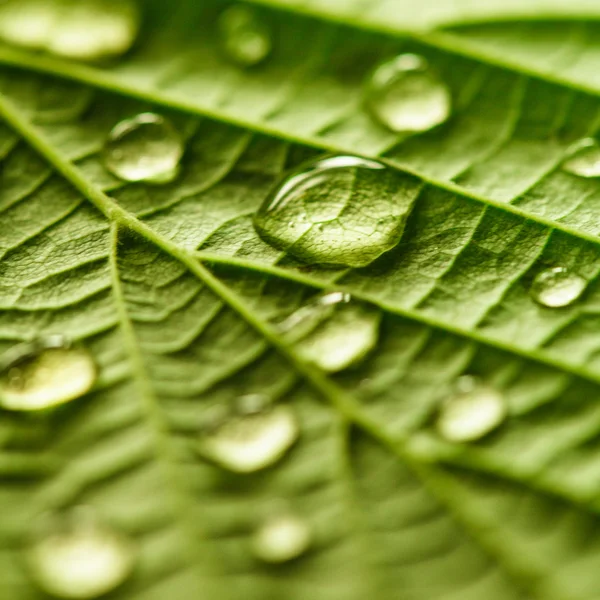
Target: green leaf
{"type": "Point", "coordinates": [178, 298]}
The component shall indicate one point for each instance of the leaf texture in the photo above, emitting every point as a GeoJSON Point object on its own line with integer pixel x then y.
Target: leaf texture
{"type": "Point", "coordinates": [176, 295]}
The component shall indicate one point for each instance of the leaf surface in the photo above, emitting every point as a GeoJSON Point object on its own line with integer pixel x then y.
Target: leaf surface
{"type": "Point", "coordinates": [176, 296]}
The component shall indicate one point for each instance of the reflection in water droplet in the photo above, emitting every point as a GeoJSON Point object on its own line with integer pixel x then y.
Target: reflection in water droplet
{"type": "Point", "coordinates": [557, 287]}
{"type": "Point", "coordinates": [332, 332]}
{"type": "Point", "coordinates": [86, 30]}
{"type": "Point", "coordinates": [245, 443]}
{"type": "Point", "coordinates": [583, 159]}
{"type": "Point", "coordinates": [44, 374]}
{"type": "Point", "coordinates": [80, 557]}
{"type": "Point", "coordinates": [404, 95]}
{"type": "Point", "coordinates": [281, 538]}
{"type": "Point", "coordinates": [340, 210]}
{"type": "Point", "coordinates": [245, 39]}
{"type": "Point", "coordinates": [472, 412]}
{"type": "Point", "coordinates": [144, 148]}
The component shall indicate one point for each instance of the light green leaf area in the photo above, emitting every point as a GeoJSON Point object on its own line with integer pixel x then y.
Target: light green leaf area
{"type": "Point", "coordinates": [178, 298]}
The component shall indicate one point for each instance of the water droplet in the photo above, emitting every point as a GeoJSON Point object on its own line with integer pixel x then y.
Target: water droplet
{"type": "Point", "coordinates": [85, 30]}
{"type": "Point", "coordinates": [281, 538]}
{"type": "Point", "coordinates": [248, 442]}
{"type": "Point", "coordinates": [557, 287]}
{"type": "Point", "coordinates": [406, 96]}
{"type": "Point", "coordinates": [44, 374]}
{"type": "Point", "coordinates": [78, 556]}
{"type": "Point", "coordinates": [344, 210]}
{"type": "Point", "coordinates": [583, 159]}
{"type": "Point", "coordinates": [245, 39]}
{"type": "Point", "coordinates": [144, 148]}
{"type": "Point", "coordinates": [332, 332]}
{"type": "Point", "coordinates": [472, 412]}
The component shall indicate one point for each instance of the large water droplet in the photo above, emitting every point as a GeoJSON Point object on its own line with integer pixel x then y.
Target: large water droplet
{"type": "Point", "coordinates": [583, 159]}
{"type": "Point", "coordinates": [473, 411]}
{"type": "Point", "coordinates": [340, 210]}
{"type": "Point", "coordinates": [245, 39]}
{"type": "Point", "coordinates": [557, 287]}
{"type": "Point", "coordinates": [332, 332]}
{"type": "Point", "coordinates": [281, 538]}
{"type": "Point", "coordinates": [80, 557]}
{"type": "Point", "coordinates": [85, 29]}
{"type": "Point", "coordinates": [406, 96]}
{"type": "Point", "coordinates": [144, 148]}
{"type": "Point", "coordinates": [44, 374]}
{"type": "Point", "coordinates": [248, 442]}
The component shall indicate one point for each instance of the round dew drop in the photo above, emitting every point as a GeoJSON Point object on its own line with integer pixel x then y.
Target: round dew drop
{"type": "Point", "coordinates": [281, 539]}
{"type": "Point", "coordinates": [245, 443]}
{"type": "Point", "coordinates": [475, 410]}
{"type": "Point", "coordinates": [80, 558]}
{"type": "Point", "coordinates": [583, 159]}
{"type": "Point", "coordinates": [557, 287]}
{"type": "Point", "coordinates": [244, 38]}
{"type": "Point", "coordinates": [145, 148]}
{"type": "Point", "coordinates": [338, 210]}
{"type": "Point", "coordinates": [332, 332]}
{"type": "Point", "coordinates": [406, 96]}
{"type": "Point", "coordinates": [44, 374]}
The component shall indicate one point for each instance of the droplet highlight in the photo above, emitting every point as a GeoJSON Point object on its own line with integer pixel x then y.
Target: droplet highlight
{"type": "Point", "coordinates": [79, 557]}
{"type": "Point", "coordinates": [82, 30]}
{"type": "Point", "coordinates": [583, 159]}
{"type": "Point", "coordinates": [406, 96]}
{"type": "Point", "coordinates": [332, 331]}
{"type": "Point", "coordinates": [244, 37]}
{"type": "Point", "coordinates": [337, 211]}
{"type": "Point", "coordinates": [246, 442]}
{"type": "Point", "coordinates": [44, 374]}
{"type": "Point", "coordinates": [473, 411]}
{"type": "Point", "coordinates": [145, 148]}
{"type": "Point", "coordinates": [557, 287]}
{"type": "Point", "coordinates": [281, 538]}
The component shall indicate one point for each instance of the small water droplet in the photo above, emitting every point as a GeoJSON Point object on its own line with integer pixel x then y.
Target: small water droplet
{"type": "Point", "coordinates": [45, 373]}
{"type": "Point", "coordinates": [557, 287]}
{"type": "Point", "coordinates": [406, 96]}
{"type": "Point", "coordinates": [77, 556]}
{"type": "Point", "coordinates": [245, 38]}
{"type": "Point", "coordinates": [344, 210]}
{"type": "Point", "coordinates": [144, 148]}
{"type": "Point", "coordinates": [281, 538]}
{"type": "Point", "coordinates": [473, 411]}
{"type": "Point", "coordinates": [331, 331]}
{"type": "Point", "coordinates": [84, 30]}
{"type": "Point", "coordinates": [583, 159]}
{"type": "Point", "coordinates": [251, 441]}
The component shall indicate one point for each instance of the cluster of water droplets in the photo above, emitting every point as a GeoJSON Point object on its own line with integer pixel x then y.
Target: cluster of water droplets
{"type": "Point", "coordinates": [81, 29]}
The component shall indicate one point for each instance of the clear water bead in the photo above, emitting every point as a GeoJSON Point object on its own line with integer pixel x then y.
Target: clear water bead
{"type": "Point", "coordinates": [144, 148]}
{"type": "Point", "coordinates": [282, 538]}
{"type": "Point", "coordinates": [332, 331]}
{"type": "Point", "coordinates": [583, 159]}
{"type": "Point", "coordinates": [406, 96]}
{"type": "Point", "coordinates": [557, 287]}
{"type": "Point", "coordinates": [473, 411]}
{"type": "Point", "coordinates": [44, 374]}
{"type": "Point", "coordinates": [251, 441]}
{"type": "Point", "coordinates": [245, 39]}
{"type": "Point", "coordinates": [338, 210]}
{"type": "Point", "coordinates": [78, 557]}
{"type": "Point", "coordinates": [79, 29]}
